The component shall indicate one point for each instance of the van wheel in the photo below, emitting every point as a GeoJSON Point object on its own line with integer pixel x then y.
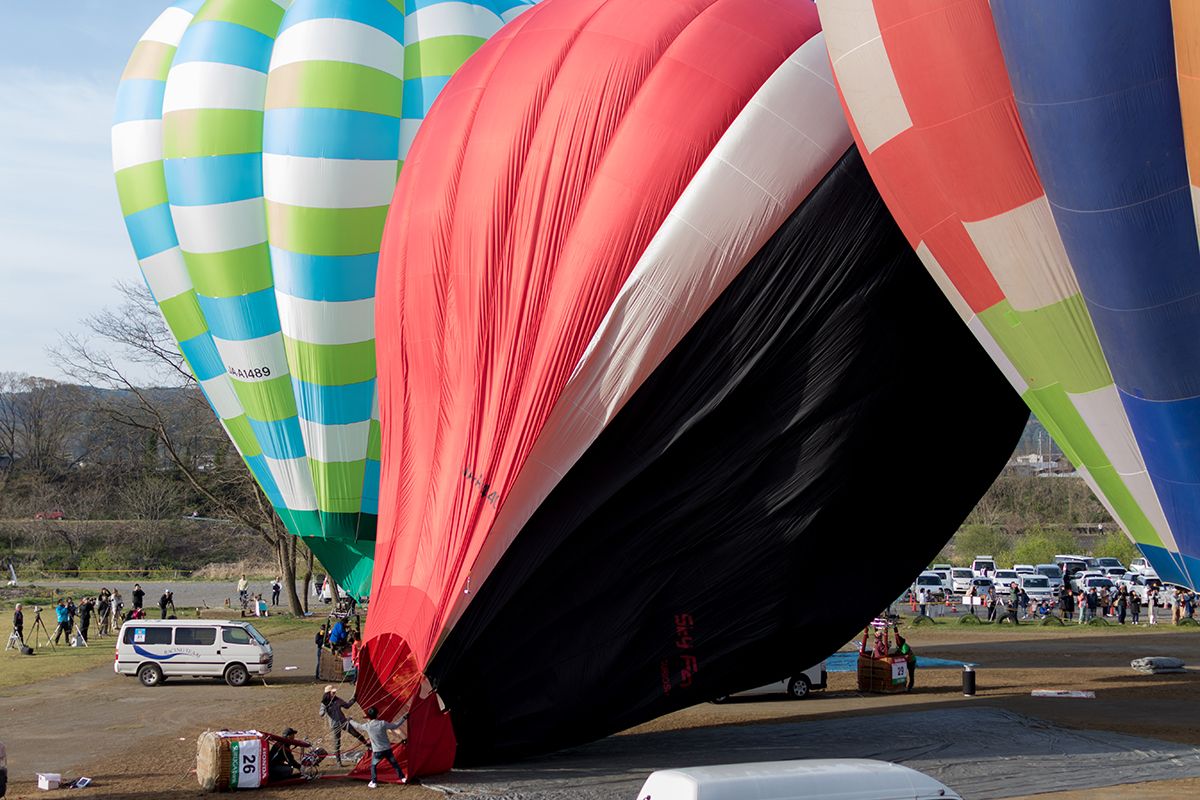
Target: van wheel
{"type": "Point", "coordinates": [237, 675]}
{"type": "Point", "coordinates": [150, 675]}
{"type": "Point", "coordinates": [799, 688]}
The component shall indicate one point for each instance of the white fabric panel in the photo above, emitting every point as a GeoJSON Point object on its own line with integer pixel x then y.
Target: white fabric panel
{"type": "Point", "coordinates": [997, 354]}
{"type": "Point", "coordinates": [325, 322]}
{"type": "Point", "coordinates": [408, 132]}
{"type": "Point", "coordinates": [327, 443]}
{"type": "Point", "coordinates": [247, 355]}
{"type": "Point", "coordinates": [221, 227]}
{"type": "Point", "coordinates": [136, 142]}
{"type": "Point", "coordinates": [789, 136]}
{"type": "Point", "coordinates": [328, 182]}
{"type": "Point", "coordinates": [1105, 417]}
{"type": "Point", "coordinates": [166, 274]}
{"type": "Point", "coordinates": [294, 479]}
{"type": "Point", "coordinates": [204, 84]}
{"type": "Point", "coordinates": [450, 19]}
{"type": "Point", "coordinates": [169, 27]}
{"type": "Point", "coordinates": [1025, 253]}
{"type": "Point", "coordinates": [339, 40]}
{"type": "Point", "coordinates": [934, 268]}
{"type": "Point", "coordinates": [222, 397]}
{"type": "Point", "coordinates": [863, 70]}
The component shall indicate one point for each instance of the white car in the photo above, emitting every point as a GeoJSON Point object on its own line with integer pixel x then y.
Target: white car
{"type": "Point", "coordinates": [982, 585]}
{"type": "Point", "coordinates": [797, 687]}
{"type": "Point", "coordinates": [1053, 572]}
{"type": "Point", "coordinates": [983, 566]}
{"type": "Point", "coordinates": [931, 584]}
{"type": "Point", "coordinates": [1077, 581]}
{"type": "Point", "coordinates": [1101, 563]}
{"type": "Point", "coordinates": [1140, 565]}
{"type": "Point", "coordinates": [1024, 569]}
{"type": "Point", "coordinates": [1038, 587]}
{"type": "Point", "coordinates": [1115, 574]}
{"type": "Point", "coordinates": [1004, 577]}
{"type": "Point", "coordinates": [960, 579]}
{"type": "Point", "coordinates": [155, 650]}
{"type": "Point", "coordinates": [1097, 582]}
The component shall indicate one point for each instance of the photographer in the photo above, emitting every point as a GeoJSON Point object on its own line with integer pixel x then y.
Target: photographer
{"type": "Point", "coordinates": [64, 622]}
{"type": "Point", "coordinates": [85, 617]}
{"type": "Point", "coordinates": [138, 595]}
{"type": "Point", "coordinates": [167, 599]}
{"type": "Point", "coordinates": [19, 623]}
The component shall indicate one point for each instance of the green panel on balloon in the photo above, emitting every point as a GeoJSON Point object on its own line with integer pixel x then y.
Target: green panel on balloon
{"type": "Point", "coordinates": [326, 231]}
{"type": "Point", "coordinates": [338, 484]}
{"type": "Point", "coordinates": [231, 273]}
{"type": "Point", "coordinates": [263, 16]}
{"type": "Point", "coordinates": [192, 133]}
{"type": "Point", "coordinates": [349, 563]}
{"type": "Point", "coordinates": [141, 187]}
{"type": "Point", "coordinates": [337, 364]}
{"type": "Point", "coordinates": [441, 55]}
{"type": "Point", "coordinates": [325, 84]}
{"type": "Point", "coordinates": [182, 313]}
{"type": "Point", "coordinates": [1077, 362]}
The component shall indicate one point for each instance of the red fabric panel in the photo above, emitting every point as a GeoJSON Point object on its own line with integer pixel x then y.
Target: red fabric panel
{"type": "Point", "coordinates": [536, 182]}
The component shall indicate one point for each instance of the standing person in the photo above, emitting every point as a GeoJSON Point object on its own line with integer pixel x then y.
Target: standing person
{"type": "Point", "coordinates": [117, 605]}
{"type": "Point", "coordinates": [333, 708]}
{"type": "Point", "coordinates": [1152, 602]}
{"type": "Point", "coordinates": [19, 623]}
{"type": "Point", "coordinates": [1135, 606]}
{"type": "Point", "coordinates": [381, 747]}
{"type": "Point", "coordinates": [910, 657]}
{"type": "Point", "coordinates": [1068, 602]}
{"type": "Point", "coordinates": [241, 590]}
{"type": "Point", "coordinates": [64, 621]}
{"type": "Point", "coordinates": [1176, 607]}
{"type": "Point", "coordinates": [72, 610]}
{"type": "Point", "coordinates": [1093, 602]}
{"type": "Point", "coordinates": [1081, 601]}
{"type": "Point", "coordinates": [137, 595]}
{"type": "Point", "coordinates": [991, 604]}
{"type": "Point", "coordinates": [1122, 605]}
{"type": "Point", "coordinates": [320, 640]}
{"type": "Point", "coordinates": [167, 599]}
{"type": "Point", "coordinates": [85, 617]}
{"type": "Point", "coordinates": [921, 600]}
{"type": "Point", "coordinates": [102, 608]}
{"type": "Point", "coordinates": [970, 598]}
{"type": "Point", "coordinates": [276, 587]}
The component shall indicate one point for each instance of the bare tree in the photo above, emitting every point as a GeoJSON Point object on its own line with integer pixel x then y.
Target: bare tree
{"type": "Point", "coordinates": [186, 434]}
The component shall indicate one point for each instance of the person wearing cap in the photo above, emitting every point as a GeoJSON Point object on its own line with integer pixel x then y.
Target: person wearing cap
{"type": "Point", "coordinates": [334, 710]}
{"type": "Point", "coordinates": [281, 764]}
{"type": "Point", "coordinates": [167, 599]}
{"type": "Point", "coordinates": [381, 747]}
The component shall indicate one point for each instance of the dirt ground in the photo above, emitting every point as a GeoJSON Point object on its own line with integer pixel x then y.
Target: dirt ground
{"type": "Point", "coordinates": [157, 762]}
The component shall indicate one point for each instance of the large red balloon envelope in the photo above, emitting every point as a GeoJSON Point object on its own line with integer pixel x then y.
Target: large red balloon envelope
{"type": "Point", "coordinates": [647, 342]}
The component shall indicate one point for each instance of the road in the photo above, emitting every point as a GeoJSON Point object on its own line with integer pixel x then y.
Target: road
{"type": "Point", "coordinates": [61, 725]}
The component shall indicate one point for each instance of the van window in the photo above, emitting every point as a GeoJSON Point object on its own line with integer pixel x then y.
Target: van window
{"type": "Point", "coordinates": [235, 636]}
{"type": "Point", "coordinates": [136, 635]}
{"type": "Point", "coordinates": [195, 636]}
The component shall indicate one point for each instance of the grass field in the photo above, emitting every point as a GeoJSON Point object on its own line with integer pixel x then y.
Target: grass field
{"type": "Point", "coordinates": [17, 670]}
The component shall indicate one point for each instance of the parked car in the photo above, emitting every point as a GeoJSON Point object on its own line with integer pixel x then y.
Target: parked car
{"type": "Point", "coordinates": [1053, 572]}
{"type": "Point", "coordinates": [155, 650]}
{"type": "Point", "coordinates": [1079, 578]}
{"type": "Point", "coordinates": [1139, 565]}
{"type": "Point", "coordinates": [960, 579]}
{"type": "Point", "coordinates": [940, 568]}
{"type": "Point", "coordinates": [53, 515]}
{"type": "Point", "coordinates": [931, 582]}
{"type": "Point", "coordinates": [982, 585]}
{"type": "Point", "coordinates": [1072, 564]}
{"type": "Point", "coordinates": [1114, 573]}
{"type": "Point", "coordinates": [1004, 577]}
{"type": "Point", "coordinates": [947, 581]}
{"type": "Point", "coordinates": [983, 566]}
{"type": "Point", "coordinates": [1108, 562]}
{"type": "Point", "coordinates": [1037, 587]}
{"type": "Point", "coordinates": [1024, 569]}
{"type": "Point", "coordinates": [1097, 582]}
{"type": "Point", "coordinates": [796, 687]}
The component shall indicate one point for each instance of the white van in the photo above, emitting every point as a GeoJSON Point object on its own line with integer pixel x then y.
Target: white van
{"type": "Point", "coordinates": [829, 779]}
{"type": "Point", "coordinates": [155, 650]}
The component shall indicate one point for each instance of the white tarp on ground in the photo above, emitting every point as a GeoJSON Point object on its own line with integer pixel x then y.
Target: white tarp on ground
{"type": "Point", "coordinates": [982, 753]}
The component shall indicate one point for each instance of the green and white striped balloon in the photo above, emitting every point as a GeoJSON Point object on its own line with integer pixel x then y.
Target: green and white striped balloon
{"type": "Point", "coordinates": [277, 131]}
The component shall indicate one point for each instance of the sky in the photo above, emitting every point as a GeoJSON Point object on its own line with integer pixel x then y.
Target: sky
{"type": "Point", "coordinates": [62, 241]}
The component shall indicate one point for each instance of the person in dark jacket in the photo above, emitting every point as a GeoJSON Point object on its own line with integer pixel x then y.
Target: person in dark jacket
{"type": "Point", "coordinates": [167, 599]}
{"type": "Point", "coordinates": [320, 641]}
{"type": "Point", "coordinates": [85, 617]}
{"type": "Point", "coordinates": [276, 588]}
{"type": "Point", "coordinates": [281, 763]}
{"type": "Point", "coordinates": [1135, 606]}
{"type": "Point", "coordinates": [137, 595]}
{"type": "Point", "coordinates": [335, 714]}
{"type": "Point", "coordinates": [19, 623]}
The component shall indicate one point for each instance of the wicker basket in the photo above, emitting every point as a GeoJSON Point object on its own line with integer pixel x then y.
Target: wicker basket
{"type": "Point", "coordinates": [875, 675]}
{"type": "Point", "coordinates": [215, 758]}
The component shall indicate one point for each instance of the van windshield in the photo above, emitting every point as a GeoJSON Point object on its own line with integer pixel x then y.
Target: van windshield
{"type": "Point", "coordinates": [258, 637]}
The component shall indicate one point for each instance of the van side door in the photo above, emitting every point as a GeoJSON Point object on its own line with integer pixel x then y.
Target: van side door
{"type": "Point", "coordinates": [199, 650]}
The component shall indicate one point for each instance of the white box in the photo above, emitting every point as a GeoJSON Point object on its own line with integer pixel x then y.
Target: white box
{"type": "Point", "coordinates": [49, 780]}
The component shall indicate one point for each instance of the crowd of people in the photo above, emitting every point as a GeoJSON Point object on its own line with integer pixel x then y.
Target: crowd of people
{"type": "Point", "coordinates": [256, 604]}
{"type": "Point", "coordinates": [1118, 604]}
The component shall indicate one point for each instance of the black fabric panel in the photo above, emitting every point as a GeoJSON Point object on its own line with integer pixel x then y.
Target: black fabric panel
{"type": "Point", "coordinates": [773, 485]}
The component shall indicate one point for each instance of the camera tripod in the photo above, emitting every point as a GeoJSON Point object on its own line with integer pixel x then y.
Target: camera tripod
{"type": "Point", "coordinates": [39, 628]}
